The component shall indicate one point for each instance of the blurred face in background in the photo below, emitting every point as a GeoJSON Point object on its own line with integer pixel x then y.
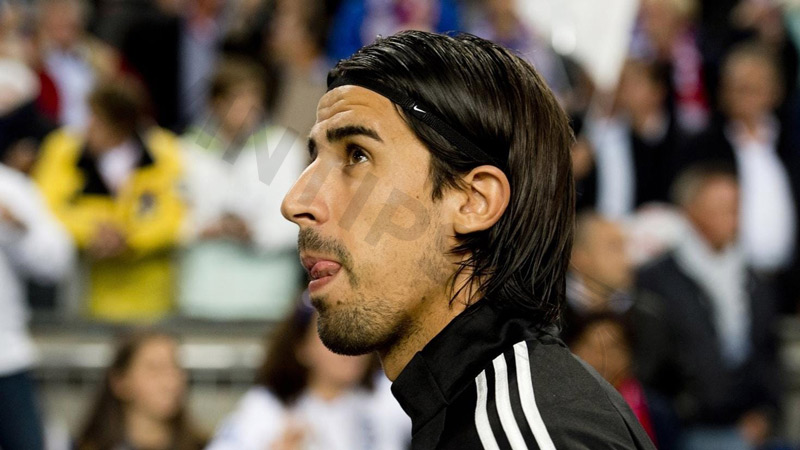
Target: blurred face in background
{"type": "Point", "coordinates": [154, 384]}
{"type": "Point", "coordinates": [714, 211]}
{"type": "Point", "coordinates": [663, 20]}
{"type": "Point", "coordinates": [638, 93]}
{"type": "Point", "coordinates": [291, 39]}
{"type": "Point", "coordinates": [328, 368]}
{"type": "Point", "coordinates": [750, 88]}
{"type": "Point", "coordinates": [62, 23]}
{"type": "Point", "coordinates": [101, 135]}
{"type": "Point", "coordinates": [603, 346]}
{"type": "Point", "coordinates": [600, 255]}
{"type": "Point", "coordinates": [241, 109]}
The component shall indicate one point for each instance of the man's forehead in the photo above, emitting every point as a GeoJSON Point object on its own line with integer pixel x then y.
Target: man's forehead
{"type": "Point", "coordinates": [348, 103]}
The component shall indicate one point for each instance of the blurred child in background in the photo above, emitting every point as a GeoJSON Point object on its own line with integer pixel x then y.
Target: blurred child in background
{"type": "Point", "coordinates": [141, 403]}
{"type": "Point", "coordinates": [307, 397]}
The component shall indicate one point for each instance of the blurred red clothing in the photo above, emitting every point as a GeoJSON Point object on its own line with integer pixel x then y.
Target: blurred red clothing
{"type": "Point", "coordinates": [633, 393]}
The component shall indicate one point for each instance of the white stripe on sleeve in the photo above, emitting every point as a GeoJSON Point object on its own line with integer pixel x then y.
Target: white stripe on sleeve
{"type": "Point", "coordinates": [481, 415]}
{"type": "Point", "coordinates": [503, 401]}
{"type": "Point", "coordinates": [525, 384]}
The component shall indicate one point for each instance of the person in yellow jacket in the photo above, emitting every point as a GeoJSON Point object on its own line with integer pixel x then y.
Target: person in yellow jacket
{"type": "Point", "coordinates": [115, 189]}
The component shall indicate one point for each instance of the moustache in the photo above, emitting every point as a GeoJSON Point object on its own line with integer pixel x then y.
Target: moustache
{"type": "Point", "coordinates": [310, 240]}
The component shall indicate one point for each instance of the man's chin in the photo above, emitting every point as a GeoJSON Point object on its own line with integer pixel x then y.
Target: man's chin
{"type": "Point", "coordinates": [341, 338]}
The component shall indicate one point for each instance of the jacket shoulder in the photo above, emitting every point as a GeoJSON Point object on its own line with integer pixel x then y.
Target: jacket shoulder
{"type": "Point", "coordinates": [580, 409]}
{"type": "Point", "coordinates": [538, 395]}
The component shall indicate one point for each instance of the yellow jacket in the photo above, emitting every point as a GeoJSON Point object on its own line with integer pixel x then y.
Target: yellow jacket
{"type": "Point", "coordinates": [147, 209]}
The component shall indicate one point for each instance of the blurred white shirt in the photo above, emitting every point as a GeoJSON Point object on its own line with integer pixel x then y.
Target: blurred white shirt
{"type": "Point", "coordinates": [616, 181]}
{"type": "Point", "coordinates": [250, 185]}
{"type": "Point", "coordinates": [117, 164]}
{"type": "Point", "coordinates": [261, 278]}
{"type": "Point", "coordinates": [74, 79]}
{"type": "Point", "coordinates": [722, 275]}
{"type": "Point", "coordinates": [356, 420]}
{"type": "Point", "coordinates": [768, 214]}
{"type": "Point", "coordinates": [42, 250]}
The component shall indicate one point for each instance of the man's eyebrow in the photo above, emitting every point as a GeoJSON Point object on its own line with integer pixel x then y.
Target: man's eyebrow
{"type": "Point", "coordinates": [337, 134]}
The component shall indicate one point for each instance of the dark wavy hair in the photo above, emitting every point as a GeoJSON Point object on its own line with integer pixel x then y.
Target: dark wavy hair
{"type": "Point", "coordinates": [105, 427]}
{"type": "Point", "coordinates": [500, 103]}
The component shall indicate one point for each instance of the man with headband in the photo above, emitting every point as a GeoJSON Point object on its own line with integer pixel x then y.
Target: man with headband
{"type": "Point", "coordinates": [436, 225]}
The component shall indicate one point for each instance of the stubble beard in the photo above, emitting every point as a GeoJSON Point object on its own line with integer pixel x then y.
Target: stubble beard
{"type": "Point", "coordinates": [359, 326]}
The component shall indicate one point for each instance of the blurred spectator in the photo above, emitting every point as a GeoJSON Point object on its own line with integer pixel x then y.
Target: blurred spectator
{"type": "Point", "coordinates": [115, 189]}
{"type": "Point", "coordinates": [750, 136]}
{"type": "Point", "coordinates": [141, 403]}
{"type": "Point", "coordinates": [653, 231]}
{"type": "Point", "coordinates": [714, 36]}
{"type": "Point", "coordinates": [601, 273]}
{"type": "Point", "coordinates": [248, 22]}
{"type": "Point", "coordinates": [74, 60]}
{"type": "Point", "coordinates": [763, 21]}
{"type": "Point", "coordinates": [705, 323]}
{"type": "Point", "coordinates": [148, 34]}
{"type": "Point", "coordinates": [12, 43]}
{"type": "Point", "coordinates": [297, 44]}
{"type": "Point", "coordinates": [21, 125]}
{"type": "Point", "coordinates": [21, 133]}
{"type": "Point", "coordinates": [201, 35]}
{"type": "Point", "coordinates": [239, 167]}
{"type": "Point", "coordinates": [635, 148]}
{"type": "Point", "coordinates": [668, 36]}
{"type": "Point", "coordinates": [308, 397]}
{"type": "Point", "coordinates": [359, 22]}
{"type": "Point", "coordinates": [603, 341]}
{"type": "Point", "coordinates": [32, 243]}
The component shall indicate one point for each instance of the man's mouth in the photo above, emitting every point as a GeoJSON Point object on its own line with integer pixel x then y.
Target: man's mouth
{"type": "Point", "coordinates": [324, 269]}
{"type": "Point", "coordinates": [321, 270]}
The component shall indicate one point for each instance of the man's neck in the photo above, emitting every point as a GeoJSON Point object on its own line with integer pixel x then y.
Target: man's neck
{"type": "Point", "coordinates": [432, 316]}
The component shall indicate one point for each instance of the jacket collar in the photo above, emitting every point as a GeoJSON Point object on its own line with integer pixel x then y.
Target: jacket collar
{"type": "Point", "coordinates": [449, 363]}
{"type": "Point", "coordinates": [94, 183]}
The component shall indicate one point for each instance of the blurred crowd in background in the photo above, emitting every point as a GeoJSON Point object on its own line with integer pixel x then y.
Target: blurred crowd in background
{"type": "Point", "coordinates": [146, 145]}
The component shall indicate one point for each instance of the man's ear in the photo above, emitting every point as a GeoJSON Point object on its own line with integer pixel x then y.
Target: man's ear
{"type": "Point", "coordinates": [484, 196]}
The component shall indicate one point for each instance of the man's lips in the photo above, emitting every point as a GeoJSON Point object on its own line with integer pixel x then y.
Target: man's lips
{"type": "Point", "coordinates": [320, 267]}
{"type": "Point", "coordinates": [324, 269]}
{"type": "Point", "coordinates": [321, 270]}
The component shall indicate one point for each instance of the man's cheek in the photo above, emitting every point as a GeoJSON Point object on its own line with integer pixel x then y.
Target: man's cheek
{"type": "Point", "coordinates": [357, 202]}
{"type": "Point", "coordinates": [402, 217]}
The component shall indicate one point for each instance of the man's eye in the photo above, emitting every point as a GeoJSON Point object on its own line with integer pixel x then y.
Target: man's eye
{"type": "Point", "coordinates": [356, 155]}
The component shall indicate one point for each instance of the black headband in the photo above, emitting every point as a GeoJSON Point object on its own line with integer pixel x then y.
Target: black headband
{"type": "Point", "coordinates": [420, 112]}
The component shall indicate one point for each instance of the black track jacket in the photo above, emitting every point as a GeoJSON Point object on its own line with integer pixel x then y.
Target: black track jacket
{"type": "Point", "coordinates": [491, 381]}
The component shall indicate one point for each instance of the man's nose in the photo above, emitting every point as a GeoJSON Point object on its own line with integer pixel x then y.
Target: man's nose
{"type": "Point", "coordinates": [305, 204]}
